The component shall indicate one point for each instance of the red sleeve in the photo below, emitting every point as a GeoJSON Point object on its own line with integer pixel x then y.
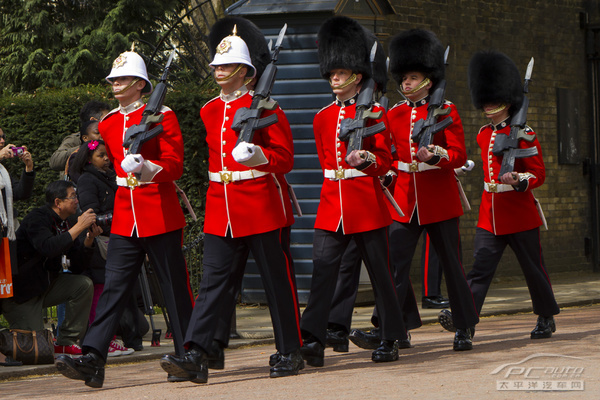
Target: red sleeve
{"type": "Point", "coordinates": [277, 145]}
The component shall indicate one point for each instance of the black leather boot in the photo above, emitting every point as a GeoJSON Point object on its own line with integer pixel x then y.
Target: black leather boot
{"type": "Point", "coordinates": [193, 365]}
{"type": "Point", "coordinates": [274, 359]}
{"type": "Point", "coordinates": [387, 351]}
{"type": "Point", "coordinates": [463, 339]}
{"type": "Point", "coordinates": [366, 340]}
{"type": "Point", "coordinates": [216, 356]}
{"type": "Point", "coordinates": [338, 339]}
{"type": "Point", "coordinates": [313, 353]}
{"type": "Point", "coordinates": [288, 365]}
{"type": "Point", "coordinates": [446, 321]}
{"type": "Point", "coordinates": [89, 368]}
{"type": "Point", "coordinates": [544, 328]}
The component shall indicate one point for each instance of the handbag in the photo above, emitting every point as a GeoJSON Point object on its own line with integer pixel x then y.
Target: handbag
{"type": "Point", "coordinates": [29, 347]}
{"type": "Point", "coordinates": [6, 281]}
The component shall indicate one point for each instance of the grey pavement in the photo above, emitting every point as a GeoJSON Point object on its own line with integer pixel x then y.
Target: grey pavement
{"type": "Point", "coordinates": [253, 323]}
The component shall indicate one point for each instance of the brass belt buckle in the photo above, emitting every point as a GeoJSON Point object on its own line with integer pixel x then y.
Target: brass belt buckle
{"type": "Point", "coordinates": [493, 187]}
{"type": "Point", "coordinates": [340, 174]}
{"type": "Point", "coordinates": [414, 167]}
{"type": "Point", "coordinates": [226, 176]}
{"type": "Point", "coordinates": [132, 181]}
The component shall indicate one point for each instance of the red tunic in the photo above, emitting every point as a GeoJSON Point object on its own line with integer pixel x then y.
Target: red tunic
{"type": "Point", "coordinates": [434, 192]}
{"type": "Point", "coordinates": [512, 211]}
{"type": "Point", "coordinates": [150, 209]}
{"type": "Point", "coordinates": [249, 206]}
{"type": "Point", "coordinates": [356, 204]}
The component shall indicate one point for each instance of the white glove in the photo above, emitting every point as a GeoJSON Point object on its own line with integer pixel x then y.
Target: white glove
{"type": "Point", "coordinates": [132, 163]}
{"type": "Point", "coordinates": [243, 152]}
{"type": "Point", "coordinates": [468, 166]}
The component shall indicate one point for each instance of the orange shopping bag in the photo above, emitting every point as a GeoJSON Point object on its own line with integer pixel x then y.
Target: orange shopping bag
{"type": "Point", "coordinates": [6, 283]}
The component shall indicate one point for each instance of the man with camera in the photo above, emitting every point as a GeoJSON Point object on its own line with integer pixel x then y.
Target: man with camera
{"type": "Point", "coordinates": [50, 255]}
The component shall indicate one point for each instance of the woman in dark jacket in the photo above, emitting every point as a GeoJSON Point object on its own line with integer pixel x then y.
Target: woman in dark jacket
{"type": "Point", "coordinates": [96, 188]}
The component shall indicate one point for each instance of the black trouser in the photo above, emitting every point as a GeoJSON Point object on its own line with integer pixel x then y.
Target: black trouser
{"type": "Point", "coordinates": [346, 289]}
{"type": "Point", "coordinates": [221, 263]}
{"type": "Point", "coordinates": [431, 269]}
{"type": "Point", "coordinates": [223, 330]}
{"type": "Point", "coordinates": [526, 246]}
{"type": "Point", "coordinates": [328, 248]}
{"type": "Point", "coordinates": [125, 257]}
{"type": "Point", "coordinates": [445, 237]}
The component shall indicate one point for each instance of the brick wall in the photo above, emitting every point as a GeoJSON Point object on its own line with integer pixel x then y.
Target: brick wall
{"type": "Point", "coordinates": [549, 31]}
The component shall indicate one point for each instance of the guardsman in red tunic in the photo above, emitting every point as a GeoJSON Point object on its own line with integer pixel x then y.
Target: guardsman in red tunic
{"type": "Point", "coordinates": [426, 188]}
{"type": "Point", "coordinates": [260, 57]}
{"type": "Point", "coordinates": [509, 214]}
{"type": "Point", "coordinates": [147, 220]}
{"type": "Point", "coordinates": [352, 204]}
{"type": "Point", "coordinates": [243, 209]}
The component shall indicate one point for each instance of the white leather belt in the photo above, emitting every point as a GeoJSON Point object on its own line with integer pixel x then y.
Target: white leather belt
{"type": "Point", "coordinates": [497, 187]}
{"type": "Point", "coordinates": [233, 176]}
{"type": "Point", "coordinates": [415, 166]}
{"type": "Point", "coordinates": [126, 182]}
{"type": "Point", "coordinates": [337, 174]}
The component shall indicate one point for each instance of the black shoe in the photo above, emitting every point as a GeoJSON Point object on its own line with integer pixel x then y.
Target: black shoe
{"type": "Point", "coordinates": [89, 368]}
{"type": "Point", "coordinates": [544, 328]}
{"type": "Point", "coordinates": [387, 351]}
{"type": "Point", "coordinates": [338, 339]}
{"type": "Point", "coordinates": [173, 378]}
{"type": "Point", "coordinates": [313, 353]}
{"type": "Point", "coordinates": [463, 339]}
{"type": "Point", "coordinates": [288, 365]}
{"type": "Point", "coordinates": [435, 302]}
{"type": "Point", "coordinates": [405, 343]}
{"type": "Point", "coordinates": [216, 356]}
{"type": "Point", "coordinates": [366, 340]}
{"type": "Point", "coordinates": [445, 320]}
{"type": "Point", "coordinates": [274, 359]}
{"type": "Point", "coordinates": [193, 366]}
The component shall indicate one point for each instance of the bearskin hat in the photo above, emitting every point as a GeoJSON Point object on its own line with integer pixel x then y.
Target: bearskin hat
{"type": "Point", "coordinates": [379, 72]}
{"type": "Point", "coordinates": [494, 78]}
{"type": "Point", "coordinates": [249, 32]}
{"type": "Point", "coordinates": [417, 50]}
{"type": "Point", "coordinates": [342, 44]}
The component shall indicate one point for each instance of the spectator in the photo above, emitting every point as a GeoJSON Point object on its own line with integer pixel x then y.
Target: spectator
{"type": "Point", "coordinates": [48, 250]}
{"type": "Point", "coordinates": [91, 111]}
{"type": "Point", "coordinates": [11, 190]}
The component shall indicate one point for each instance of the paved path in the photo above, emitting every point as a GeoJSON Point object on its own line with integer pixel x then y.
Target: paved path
{"type": "Point", "coordinates": [430, 370]}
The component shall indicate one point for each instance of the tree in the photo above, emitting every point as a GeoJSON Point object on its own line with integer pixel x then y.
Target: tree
{"type": "Point", "coordinates": [64, 43]}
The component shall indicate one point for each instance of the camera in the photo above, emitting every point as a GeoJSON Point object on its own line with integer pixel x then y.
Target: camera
{"type": "Point", "coordinates": [18, 151]}
{"type": "Point", "coordinates": [104, 221]}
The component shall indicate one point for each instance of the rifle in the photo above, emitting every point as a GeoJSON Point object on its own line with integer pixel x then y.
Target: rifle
{"type": "Point", "coordinates": [424, 129]}
{"type": "Point", "coordinates": [354, 130]}
{"type": "Point", "coordinates": [247, 120]}
{"type": "Point", "coordinates": [508, 146]}
{"type": "Point", "coordinates": [138, 134]}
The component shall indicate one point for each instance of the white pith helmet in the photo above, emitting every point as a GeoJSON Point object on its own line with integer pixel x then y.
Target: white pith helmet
{"type": "Point", "coordinates": [130, 63]}
{"type": "Point", "coordinates": [233, 50]}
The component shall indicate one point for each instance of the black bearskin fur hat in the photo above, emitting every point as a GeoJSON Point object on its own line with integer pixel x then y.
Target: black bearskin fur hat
{"type": "Point", "coordinates": [379, 72]}
{"type": "Point", "coordinates": [342, 44]}
{"type": "Point", "coordinates": [417, 50]}
{"type": "Point", "coordinates": [494, 78]}
{"type": "Point", "coordinates": [249, 32]}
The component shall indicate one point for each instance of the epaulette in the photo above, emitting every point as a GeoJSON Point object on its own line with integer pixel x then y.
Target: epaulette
{"type": "Point", "coordinates": [164, 109]}
{"type": "Point", "coordinates": [447, 102]}
{"type": "Point", "coordinates": [111, 112]}
{"type": "Point", "coordinates": [210, 101]}
{"type": "Point", "coordinates": [400, 103]}
{"type": "Point", "coordinates": [327, 106]}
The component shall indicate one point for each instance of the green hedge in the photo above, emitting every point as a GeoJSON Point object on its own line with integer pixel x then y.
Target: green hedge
{"type": "Point", "coordinates": [40, 122]}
